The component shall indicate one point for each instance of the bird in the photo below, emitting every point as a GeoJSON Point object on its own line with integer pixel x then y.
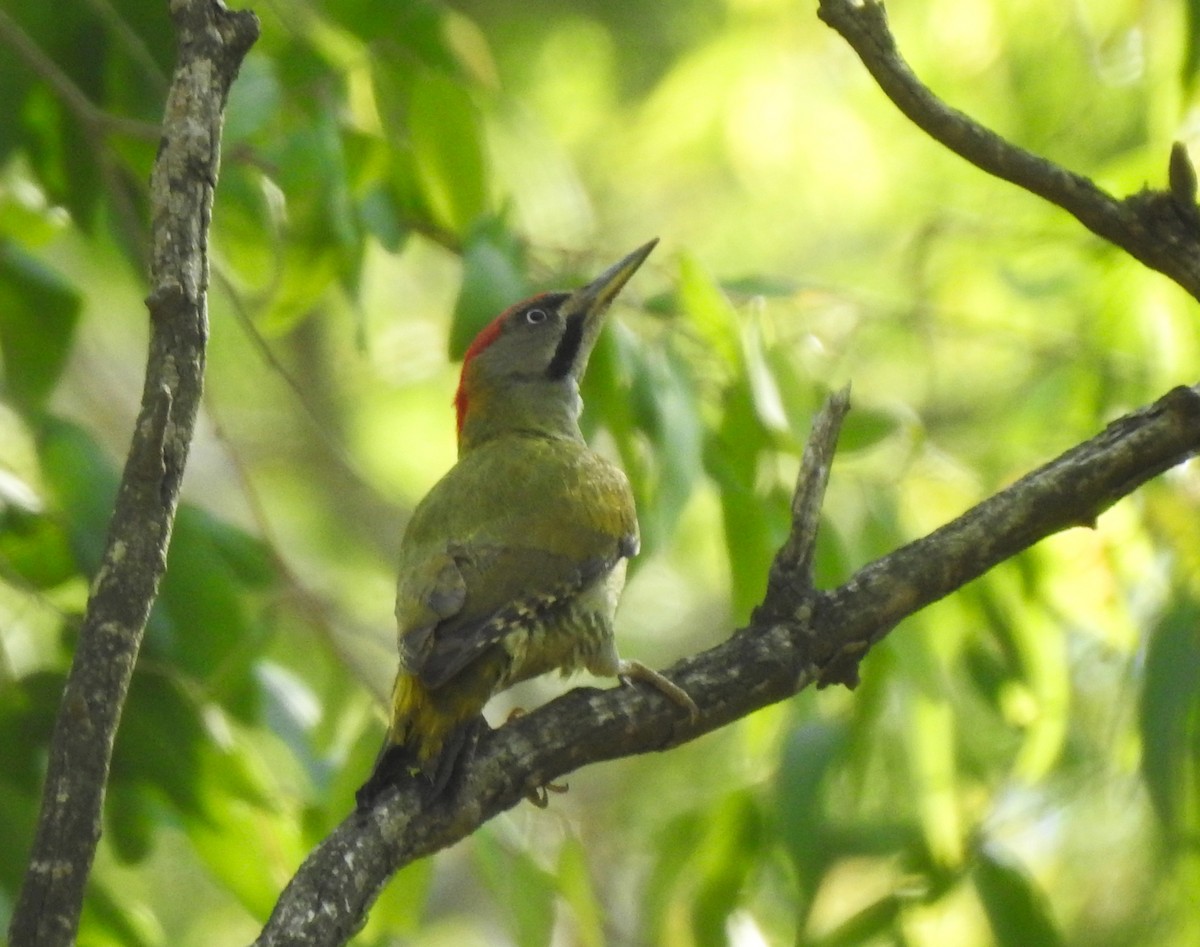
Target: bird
{"type": "Point", "coordinates": [512, 565]}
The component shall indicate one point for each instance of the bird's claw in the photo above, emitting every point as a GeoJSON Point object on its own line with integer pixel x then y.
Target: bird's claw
{"type": "Point", "coordinates": [540, 795]}
{"type": "Point", "coordinates": [636, 671]}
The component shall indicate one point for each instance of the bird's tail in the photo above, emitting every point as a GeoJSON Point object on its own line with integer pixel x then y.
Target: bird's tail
{"type": "Point", "coordinates": [430, 733]}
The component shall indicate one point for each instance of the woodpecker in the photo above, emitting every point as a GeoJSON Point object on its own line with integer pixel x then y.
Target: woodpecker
{"type": "Point", "coordinates": [511, 566]}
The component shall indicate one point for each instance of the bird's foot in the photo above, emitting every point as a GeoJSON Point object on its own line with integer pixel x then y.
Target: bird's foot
{"type": "Point", "coordinates": [636, 671]}
{"type": "Point", "coordinates": [540, 795]}
{"type": "Point", "coordinates": [456, 752]}
{"type": "Point", "coordinates": [392, 767]}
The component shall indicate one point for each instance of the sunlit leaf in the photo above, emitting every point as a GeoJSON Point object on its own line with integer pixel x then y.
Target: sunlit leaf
{"type": "Point", "coordinates": [523, 891]}
{"type": "Point", "coordinates": [109, 920]}
{"type": "Point", "coordinates": [673, 848]}
{"type": "Point", "coordinates": [578, 890]}
{"type": "Point", "coordinates": [723, 862]}
{"type": "Point", "coordinates": [709, 312]}
{"type": "Point", "coordinates": [870, 923]}
{"type": "Point", "coordinates": [401, 903]}
{"type": "Point", "coordinates": [35, 548]}
{"type": "Point", "coordinates": [931, 736]}
{"type": "Point", "coordinates": [1190, 66]}
{"type": "Point", "coordinates": [238, 827]}
{"type": "Point", "coordinates": [447, 149]}
{"type": "Point", "coordinates": [761, 284]}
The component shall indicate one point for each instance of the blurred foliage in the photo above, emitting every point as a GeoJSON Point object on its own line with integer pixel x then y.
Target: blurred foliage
{"type": "Point", "coordinates": [1021, 764]}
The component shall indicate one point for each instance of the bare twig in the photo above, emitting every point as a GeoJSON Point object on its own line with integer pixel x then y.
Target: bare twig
{"type": "Point", "coordinates": [1154, 227]}
{"type": "Point", "coordinates": [213, 42]}
{"type": "Point", "coordinates": [790, 582]}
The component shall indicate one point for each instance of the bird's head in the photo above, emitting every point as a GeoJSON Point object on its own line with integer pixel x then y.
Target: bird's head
{"type": "Point", "coordinates": [523, 369]}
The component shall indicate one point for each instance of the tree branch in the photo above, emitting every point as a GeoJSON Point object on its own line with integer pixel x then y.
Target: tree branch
{"type": "Point", "coordinates": [212, 44]}
{"type": "Point", "coordinates": [1159, 228]}
{"type": "Point", "coordinates": [797, 636]}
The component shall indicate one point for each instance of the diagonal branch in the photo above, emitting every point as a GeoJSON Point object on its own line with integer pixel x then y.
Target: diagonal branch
{"type": "Point", "coordinates": [1159, 228]}
{"type": "Point", "coordinates": [810, 636]}
{"type": "Point", "coordinates": [212, 44]}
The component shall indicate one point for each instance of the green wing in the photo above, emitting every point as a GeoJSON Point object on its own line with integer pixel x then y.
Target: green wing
{"type": "Point", "coordinates": [501, 539]}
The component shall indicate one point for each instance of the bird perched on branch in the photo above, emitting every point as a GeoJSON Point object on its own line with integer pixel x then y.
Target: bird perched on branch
{"type": "Point", "coordinates": [513, 563]}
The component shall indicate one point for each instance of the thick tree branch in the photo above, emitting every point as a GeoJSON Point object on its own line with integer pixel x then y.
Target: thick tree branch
{"type": "Point", "coordinates": [798, 636]}
{"type": "Point", "coordinates": [212, 44]}
{"type": "Point", "coordinates": [1159, 228]}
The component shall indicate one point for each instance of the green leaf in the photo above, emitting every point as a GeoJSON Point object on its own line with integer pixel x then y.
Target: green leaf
{"type": "Point", "coordinates": [82, 479]}
{"type": "Point", "coordinates": [866, 427]}
{"type": "Point", "coordinates": [870, 923]}
{"type": "Point", "coordinates": [32, 545]}
{"type": "Point", "coordinates": [523, 891]}
{"type": "Point", "coordinates": [1169, 720]}
{"type": "Point", "coordinates": [493, 279]}
{"type": "Point", "coordinates": [577, 889]}
{"type": "Point", "coordinates": [109, 920]}
{"type": "Point", "coordinates": [756, 512]}
{"type": "Point", "coordinates": [401, 903]}
{"type": "Point", "coordinates": [202, 619]}
{"type": "Point", "coordinates": [130, 826]}
{"type": "Point", "coordinates": [38, 314]}
{"type": "Point", "coordinates": [709, 311]}
{"type": "Point", "coordinates": [724, 861]}
{"type": "Point", "coordinates": [1015, 906]}
{"type": "Point", "coordinates": [254, 100]}
{"type": "Point", "coordinates": [28, 707]}
{"type": "Point", "coordinates": [673, 848]}
{"type": "Point", "coordinates": [642, 392]}
{"type": "Point", "coordinates": [447, 148]}
{"type": "Point", "coordinates": [761, 284]}
{"type": "Point", "coordinates": [1190, 67]}
{"type": "Point", "coordinates": [382, 218]}
{"type": "Point", "coordinates": [755, 527]}
{"type": "Point", "coordinates": [161, 741]}
{"type": "Point", "coordinates": [416, 25]}
{"type": "Point", "coordinates": [36, 548]}
{"type": "Point", "coordinates": [809, 754]}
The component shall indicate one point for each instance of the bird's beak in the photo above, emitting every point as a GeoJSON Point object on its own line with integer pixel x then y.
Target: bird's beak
{"type": "Point", "coordinates": [589, 304]}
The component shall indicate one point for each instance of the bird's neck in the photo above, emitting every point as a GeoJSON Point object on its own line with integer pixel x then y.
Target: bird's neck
{"type": "Point", "coordinates": [534, 408]}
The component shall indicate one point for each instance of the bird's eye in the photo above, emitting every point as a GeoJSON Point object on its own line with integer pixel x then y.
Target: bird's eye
{"type": "Point", "coordinates": [535, 316]}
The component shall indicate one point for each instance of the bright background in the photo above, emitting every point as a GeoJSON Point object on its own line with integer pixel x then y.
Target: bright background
{"type": "Point", "coordinates": [1021, 764]}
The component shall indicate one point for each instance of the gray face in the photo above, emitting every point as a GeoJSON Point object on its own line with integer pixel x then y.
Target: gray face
{"type": "Point", "coordinates": [544, 343]}
{"type": "Point", "coordinates": [541, 338]}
